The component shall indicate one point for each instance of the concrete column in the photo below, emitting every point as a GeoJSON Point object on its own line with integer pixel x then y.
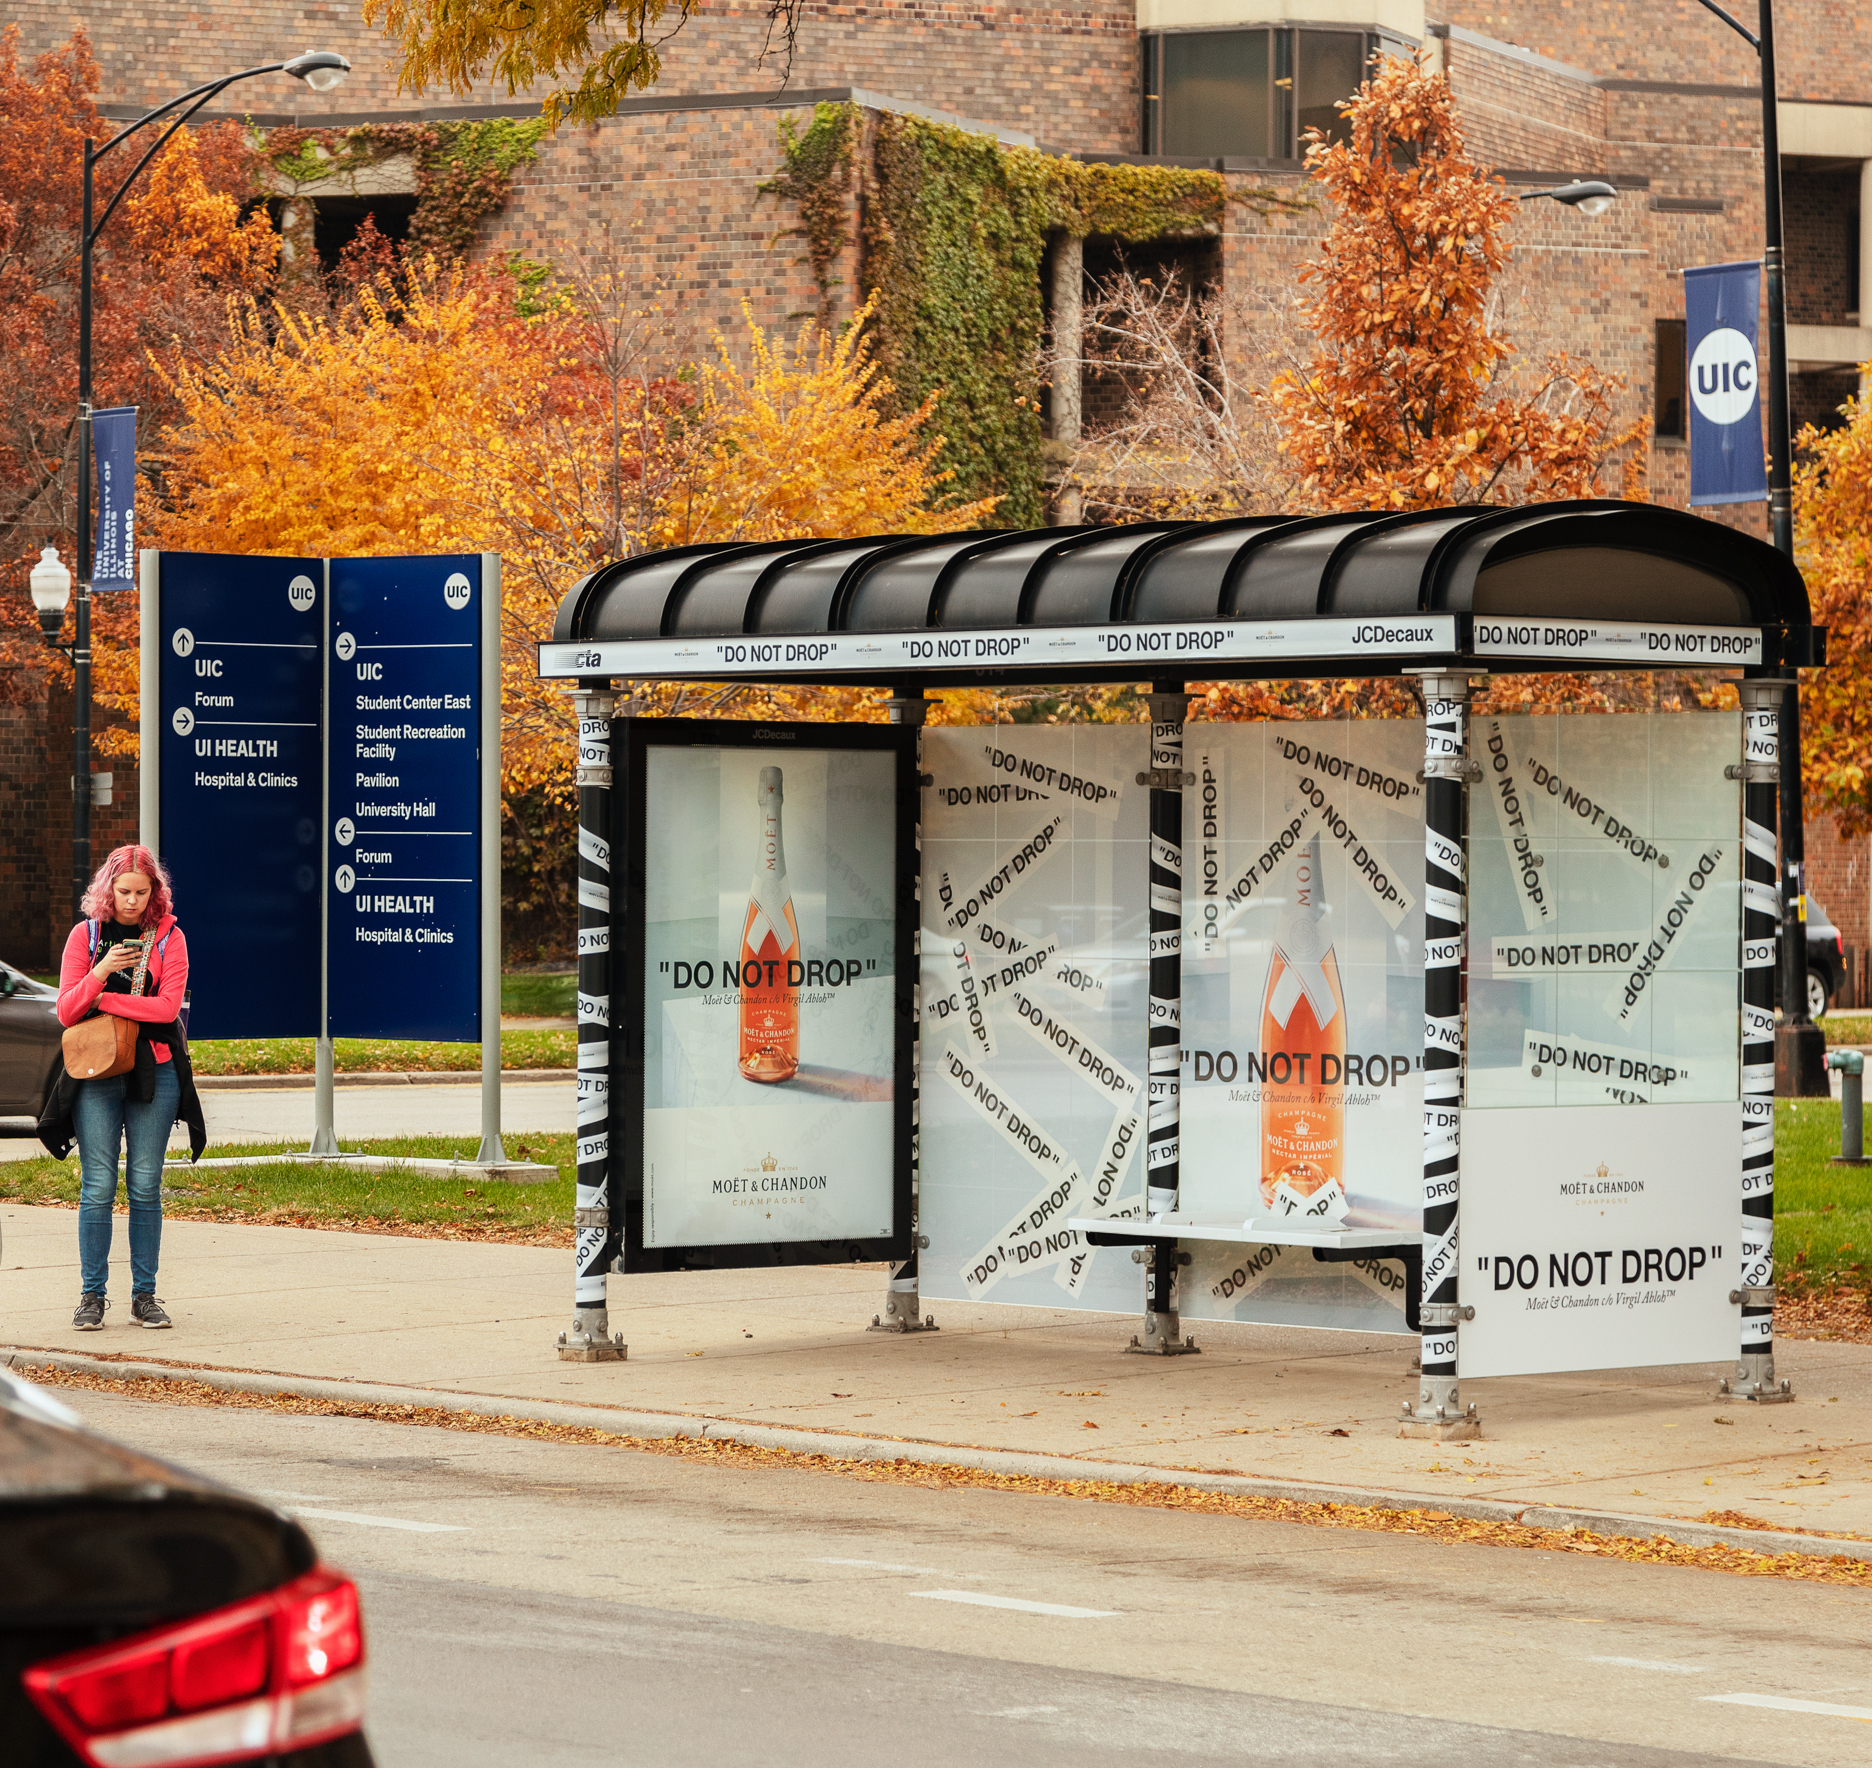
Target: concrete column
{"type": "Point", "coordinates": [1068, 350]}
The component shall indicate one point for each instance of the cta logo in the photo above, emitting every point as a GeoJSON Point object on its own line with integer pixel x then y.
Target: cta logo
{"type": "Point", "coordinates": [1722, 376]}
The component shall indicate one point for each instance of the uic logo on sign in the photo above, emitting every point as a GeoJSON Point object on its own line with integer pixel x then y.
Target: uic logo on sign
{"type": "Point", "coordinates": [1722, 376]}
{"type": "Point", "coordinates": [455, 591]}
{"type": "Point", "coordinates": [300, 593]}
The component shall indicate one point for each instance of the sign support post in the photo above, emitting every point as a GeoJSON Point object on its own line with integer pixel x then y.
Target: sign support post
{"type": "Point", "coordinates": [903, 1308]}
{"type": "Point", "coordinates": [590, 1339]}
{"type": "Point", "coordinates": [324, 1063]}
{"type": "Point", "coordinates": [491, 1152]}
{"type": "Point", "coordinates": [1762, 703]}
{"type": "Point", "coordinates": [149, 699]}
{"type": "Point", "coordinates": [1163, 1329]}
{"type": "Point", "coordinates": [1447, 770]}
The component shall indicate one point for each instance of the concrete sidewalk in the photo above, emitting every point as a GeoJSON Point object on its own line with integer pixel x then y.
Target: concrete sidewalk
{"type": "Point", "coordinates": [788, 1349]}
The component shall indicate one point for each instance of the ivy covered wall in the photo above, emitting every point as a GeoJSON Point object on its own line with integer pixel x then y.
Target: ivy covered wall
{"type": "Point", "coordinates": [952, 229]}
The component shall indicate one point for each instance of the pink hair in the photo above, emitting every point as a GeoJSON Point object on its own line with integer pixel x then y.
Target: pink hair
{"type": "Point", "coordinates": [101, 904]}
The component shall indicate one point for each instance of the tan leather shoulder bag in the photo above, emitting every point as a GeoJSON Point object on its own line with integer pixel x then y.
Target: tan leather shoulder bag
{"type": "Point", "coordinates": [105, 1044]}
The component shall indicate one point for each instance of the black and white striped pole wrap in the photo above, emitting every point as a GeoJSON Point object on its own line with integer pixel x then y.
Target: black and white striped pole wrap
{"type": "Point", "coordinates": [1438, 1411]}
{"type": "Point", "coordinates": [595, 1239]}
{"type": "Point", "coordinates": [903, 1307]}
{"type": "Point", "coordinates": [1761, 922]}
{"type": "Point", "coordinates": [1163, 1332]}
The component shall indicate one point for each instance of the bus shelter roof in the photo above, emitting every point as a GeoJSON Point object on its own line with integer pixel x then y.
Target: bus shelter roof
{"type": "Point", "coordinates": [1596, 585]}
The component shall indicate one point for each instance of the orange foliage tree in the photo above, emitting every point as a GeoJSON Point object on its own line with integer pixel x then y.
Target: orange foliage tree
{"type": "Point", "coordinates": [1833, 538]}
{"type": "Point", "coordinates": [1406, 401]}
{"type": "Point", "coordinates": [163, 270]}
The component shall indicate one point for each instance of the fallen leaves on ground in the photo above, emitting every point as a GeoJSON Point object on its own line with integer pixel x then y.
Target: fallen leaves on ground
{"type": "Point", "coordinates": [1438, 1525]}
{"type": "Point", "coordinates": [1835, 1315]}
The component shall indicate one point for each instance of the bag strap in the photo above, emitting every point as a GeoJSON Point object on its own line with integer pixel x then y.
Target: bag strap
{"type": "Point", "coordinates": [92, 924]}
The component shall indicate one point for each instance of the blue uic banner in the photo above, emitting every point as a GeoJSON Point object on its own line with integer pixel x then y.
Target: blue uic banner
{"type": "Point", "coordinates": [113, 440]}
{"type": "Point", "coordinates": [1726, 458]}
{"type": "Point", "coordinates": [240, 685]}
{"type": "Point", "coordinates": [405, 755]}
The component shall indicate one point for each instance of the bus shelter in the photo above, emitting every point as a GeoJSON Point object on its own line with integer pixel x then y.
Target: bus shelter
{"type": "Point", "coordinates": [1459, 1026]}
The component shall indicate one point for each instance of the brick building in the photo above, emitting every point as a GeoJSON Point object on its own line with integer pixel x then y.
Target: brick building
{"type": "Point", "coordinates": [1656, 96]}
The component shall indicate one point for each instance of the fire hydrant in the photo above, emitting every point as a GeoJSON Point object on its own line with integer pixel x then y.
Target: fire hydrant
{"type": "Point", "coordinates": [1851, 1064]}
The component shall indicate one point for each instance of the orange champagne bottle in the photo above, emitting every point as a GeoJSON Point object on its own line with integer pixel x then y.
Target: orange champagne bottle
{"type": "Point", "coordinates": [1303, 1047]}
{"type": "Point", "coordinates": [770, 949]}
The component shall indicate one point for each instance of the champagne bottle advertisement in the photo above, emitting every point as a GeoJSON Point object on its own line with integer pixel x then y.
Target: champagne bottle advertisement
{"type": "Point", "coordinates": [769, 1037]}
{"type": "Point", "coordinates": [1302, 1093]}
{"type": "Point", "coordinates": [1604, 1083]}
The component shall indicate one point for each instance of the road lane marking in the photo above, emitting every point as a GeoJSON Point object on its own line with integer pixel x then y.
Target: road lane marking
{"type": "Point", "coordinates": [884, 1565]}
{"type": "Point", "coordinates": [1021, 1712]}
{"type": "Point", "coordinates": [1064, 1610]}
{"type": "Point", "coordinates": [1781, 1704]}
{"type": "Point", "coordinates": [384, 1522]}
{"type": "Point", "coordinates": [1653, 1664]}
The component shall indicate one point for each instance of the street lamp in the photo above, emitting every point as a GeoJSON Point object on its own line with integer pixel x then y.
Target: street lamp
{"type": "Point", "coordinates": [1591, 196]}
{"type": "Point", "coordinates": [321, 70]}
{"type": "Point", "coordinates": [1800, 1046]}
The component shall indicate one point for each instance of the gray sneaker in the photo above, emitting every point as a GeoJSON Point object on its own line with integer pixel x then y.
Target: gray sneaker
{"type": "Point", "coordinates": [88, 1316]}
{"type": "Point", "coordinates": [148, 1313]}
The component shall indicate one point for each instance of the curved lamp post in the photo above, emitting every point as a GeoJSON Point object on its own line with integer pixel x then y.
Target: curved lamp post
{"type": "Point", "coordinates": [1591, 196]}
{"type": "Point", "coordinates": [321, 70]}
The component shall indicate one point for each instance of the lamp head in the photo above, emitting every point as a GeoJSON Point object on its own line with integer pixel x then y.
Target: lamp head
{"type": "Point", "coordinates": [50, 582]}
{"type": "Point", "coordinates": [1591, 196]}
{"type": "Point", "coordinates": [321, 69]}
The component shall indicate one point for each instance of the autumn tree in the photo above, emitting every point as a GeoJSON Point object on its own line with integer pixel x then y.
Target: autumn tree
{"type": "Point", "coordinates": [1833, 538]}
{"type": "Point", "coordinates": [1406, 400]}
{"type": "Point", "coordinates": [182, 242]}
{"type": "Point", "coordinates": [591, 54]}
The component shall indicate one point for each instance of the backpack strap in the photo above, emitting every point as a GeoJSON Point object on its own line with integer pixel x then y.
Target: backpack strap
{"type": "Point", "coordinates": [92, 923]}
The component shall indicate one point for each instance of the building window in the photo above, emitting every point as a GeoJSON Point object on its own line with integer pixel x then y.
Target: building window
{"type": "Point", "coordinates": [1669, 418]}
{"type": "Point", "coordinates": [1250, 93]}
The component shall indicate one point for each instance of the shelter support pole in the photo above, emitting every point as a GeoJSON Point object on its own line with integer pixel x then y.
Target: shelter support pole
{"type": "Point", "coordinates": [595, 1242]}
{"type": "Point", "coordinates": [1762, 703]}
{"type": "Point", "coordinates": [1163, 1261]}
{"type": "Point", "coordinates": [1438, 1412]}
{"type": "Point", "coordinates": [903, 1309]}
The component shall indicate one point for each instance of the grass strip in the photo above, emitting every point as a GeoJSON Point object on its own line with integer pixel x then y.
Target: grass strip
{"type": "Point", "coordinates": [332, 1194]}
{"type": "Point", "coordinates": [1437, 1525]}
{"type": "Point", "coordinates": [359, 1055]}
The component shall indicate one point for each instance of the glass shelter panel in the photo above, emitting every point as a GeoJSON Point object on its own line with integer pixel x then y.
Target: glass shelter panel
{"type": "Point", "coordinates": [1602, 1137]}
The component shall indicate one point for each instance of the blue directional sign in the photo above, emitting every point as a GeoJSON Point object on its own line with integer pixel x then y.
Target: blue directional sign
{"type": "Point", "coordinates": [239, 686]}
{"type": "Point", "coordinates": [405, 798]}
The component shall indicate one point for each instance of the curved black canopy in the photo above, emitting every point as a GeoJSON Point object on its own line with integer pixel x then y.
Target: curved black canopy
{"type": "Point", "coordinates": [1545, 586]}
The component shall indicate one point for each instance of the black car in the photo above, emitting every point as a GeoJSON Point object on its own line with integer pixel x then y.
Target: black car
{"type": "Point", "coordinates": [151, 1617]}
{"type": "Point", "coordinates": [29, 1040]}
{"type": "Point", "coordinates": [1826, 961]}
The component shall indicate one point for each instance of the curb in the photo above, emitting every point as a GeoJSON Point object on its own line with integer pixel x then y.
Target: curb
{"type": "Point", "coordinates": [847, 1447]}
{"type": "Point", "coordinates": [434, 1077]}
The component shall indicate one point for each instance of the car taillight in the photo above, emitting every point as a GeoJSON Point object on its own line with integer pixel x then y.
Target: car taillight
{"type": "Point", "coordinates": [280, 1671]}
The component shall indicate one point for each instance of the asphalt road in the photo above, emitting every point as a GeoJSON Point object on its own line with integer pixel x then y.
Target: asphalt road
{"type": "Point", "coordinates": [572, 1605]}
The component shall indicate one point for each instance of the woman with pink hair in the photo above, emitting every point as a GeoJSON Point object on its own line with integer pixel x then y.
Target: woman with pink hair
{"type": "Point", "coordinates": [127, 958]}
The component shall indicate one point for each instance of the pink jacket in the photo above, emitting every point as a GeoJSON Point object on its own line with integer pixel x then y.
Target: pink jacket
{"type": "Point", "coordinates": [80, 990]}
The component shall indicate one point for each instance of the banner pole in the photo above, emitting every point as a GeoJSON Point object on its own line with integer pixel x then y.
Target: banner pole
{"type": "Point", "coordinates": [1447, 771]}
{"type": "Point", "coordinates": [903, 1307]}
{"type": "Point", "coordinates": [491, 1152]}
{"type": "Point", "coordinates": [1762, 704]}
{"type": "Point", "coordinates": [590, 1339]}
{"type": "Point", "coordinates": [324, 1127]}
{"type": "Point", "coordinates": [149, 699]}
{"type": "Point", "coordinates": [1163, 1327]}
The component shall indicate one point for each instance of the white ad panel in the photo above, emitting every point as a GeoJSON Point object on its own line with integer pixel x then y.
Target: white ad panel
{"type": "Point", "coordinates": [1035, 973]}
{"type": "Point", "coordinates": [1604, 1079]}
{"type": "Point", "coordinates": [768, 1030]}
{"type": "Point", "coordinates": [1599, 1237]}
{"type": "Point", "coordinates": [1302, 1092]}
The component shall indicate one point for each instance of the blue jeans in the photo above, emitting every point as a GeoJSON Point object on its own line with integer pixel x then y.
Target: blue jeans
{"type": "Point", "coordinates": [105, 1122]}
